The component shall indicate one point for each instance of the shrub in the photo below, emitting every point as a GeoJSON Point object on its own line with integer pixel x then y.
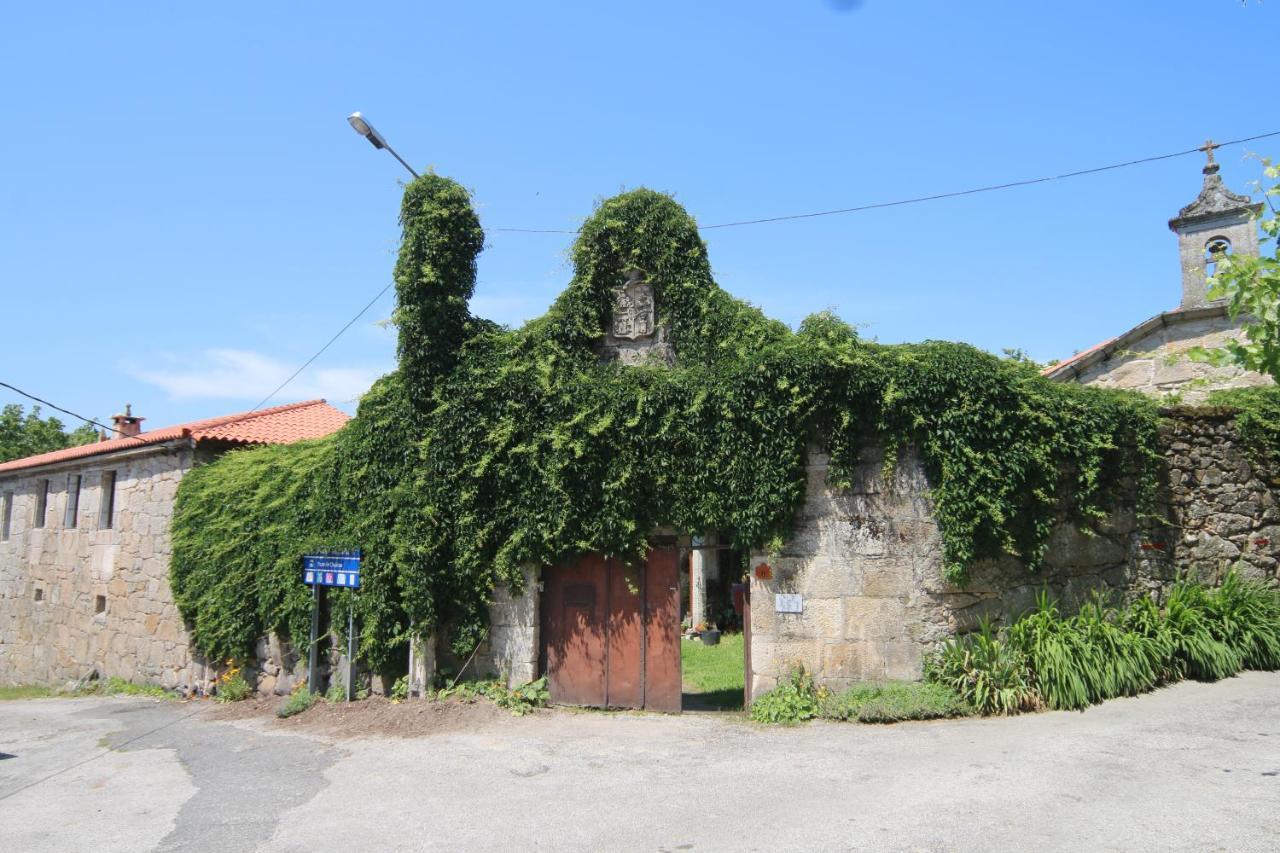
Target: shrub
{"type": "Point", "coordinates": [400, 689]}
{"type": "Point", "coordinates": [337, 692]}
{"type": "Point", "coordinates": [894, 701]}
{"type": "Point", "coordinates": [518, 700]}
{"type": "Point", "coordinates": [794, 700]}
{"type": "Point", "coordinates": [1103, 652]}
{"type": "Point", "coordinates": [986, 671]}
{"type": "Point", "coordinates": [1197, 652]}
{"type": "Point", "coordinates": [1245, 615]}
{"type": "Point", "coordinates": [232, 686]}
{"type": "Point", "coordinates": [1081, 660]}
{"type": "Point", "coordinates": [298, 701]}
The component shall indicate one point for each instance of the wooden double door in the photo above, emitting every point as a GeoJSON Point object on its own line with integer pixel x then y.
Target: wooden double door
{"type": "Point", "coordinates": [611, 632]}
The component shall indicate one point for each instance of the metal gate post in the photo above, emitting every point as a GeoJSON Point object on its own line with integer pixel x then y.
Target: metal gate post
{"type": "Point", "coordinates": [315, 639]}
{"type": "Point", "coordinates": [351, 649]}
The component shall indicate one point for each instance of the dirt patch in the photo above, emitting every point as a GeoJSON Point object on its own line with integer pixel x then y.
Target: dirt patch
{"type": "Point", "coordinates": [373, 716]}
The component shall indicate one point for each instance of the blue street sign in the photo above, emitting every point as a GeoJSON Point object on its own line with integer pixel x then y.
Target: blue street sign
{"type": "Point", "coordinates": [340, 568]}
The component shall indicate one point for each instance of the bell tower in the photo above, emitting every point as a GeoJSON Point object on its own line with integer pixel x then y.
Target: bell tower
{"type": "Point", "coordinates": [1218, 223]}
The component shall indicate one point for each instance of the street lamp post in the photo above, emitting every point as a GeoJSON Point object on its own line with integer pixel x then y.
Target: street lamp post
{"type": "Point", "coordinates": [362, 127]}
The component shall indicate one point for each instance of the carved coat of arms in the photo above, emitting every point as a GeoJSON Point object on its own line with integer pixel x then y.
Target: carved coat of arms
{"type": "Point", "coordinates": [633, 316]}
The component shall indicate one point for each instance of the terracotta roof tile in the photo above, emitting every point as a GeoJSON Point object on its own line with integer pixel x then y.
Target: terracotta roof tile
{"type": "Point", "coordinates": [277, 425]}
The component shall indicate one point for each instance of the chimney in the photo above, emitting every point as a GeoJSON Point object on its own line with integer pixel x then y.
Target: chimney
{"type": "Point", "coordinates": [127, 424]}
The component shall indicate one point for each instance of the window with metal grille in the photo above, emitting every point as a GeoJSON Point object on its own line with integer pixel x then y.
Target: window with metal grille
{"type": "Point", "coordinates": [107, 500]}
{"type": "Point", "coordinates": [73, 501]}
{"type": "Point", "coordinates": [42, 503]}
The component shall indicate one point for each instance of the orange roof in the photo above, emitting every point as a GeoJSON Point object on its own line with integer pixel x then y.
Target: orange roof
{"type": "Point", "coordinates": [277, 425]}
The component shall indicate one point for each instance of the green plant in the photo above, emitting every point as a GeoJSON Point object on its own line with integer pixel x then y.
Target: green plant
{"type": "Point", "coordinates": [1245, 615]}
{"type": "Point", "coordinates": [894, 701]}
{"type": "Point", "coordinates": [490, 449]}
{"type": "Point", "coordinates": [116, 686]}
{"type": "Point", "coordinates": [1197, 652]}
{"type": "Point", "coordinates": [986, 671]}
{"type": "Point", "coordinates": [1257, 417]}
{"type": "Point", "coordinates": [399, 689]}
{"type": "Point", "coordinates": [232, 686]}
{"type": "Point", "coordinates": [30, 434]}
{"type": "Point", "coordinates": [299, 700]}
{"type": "Point", "coordinates": [337, 692]}
{"type": "Point", "coordinates": [794, 700]}
{"type": "Point", "coordinates": [1103, 652]}
{"type": "Point", "coordinates": [1081, 660]}
{"type": "Point", "coordinates": [519, 700]}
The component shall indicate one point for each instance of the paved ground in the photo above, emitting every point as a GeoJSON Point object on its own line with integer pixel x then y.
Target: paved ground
{"type": "Point", "coordinates": [1193, 767]}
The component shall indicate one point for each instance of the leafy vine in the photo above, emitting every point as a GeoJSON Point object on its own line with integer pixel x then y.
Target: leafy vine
{"type": "Point", "coordinates": [494, 448]}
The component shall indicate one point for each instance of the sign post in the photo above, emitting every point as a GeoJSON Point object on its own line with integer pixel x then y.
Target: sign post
{"type": "Point", "coordinates": [313, 646]}
{"type": "Point", "coordinates": [339, 569]}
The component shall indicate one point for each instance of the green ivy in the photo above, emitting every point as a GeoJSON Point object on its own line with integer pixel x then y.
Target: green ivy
{"type": "Point", "coordinates": [494, 448]}
{"type": "Point", "coordinates": [1257, 419]}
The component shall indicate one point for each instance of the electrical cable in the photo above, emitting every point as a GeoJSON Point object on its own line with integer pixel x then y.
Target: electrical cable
{"type": "Point", "coordinates": [65, 411]}
{"type": "Point", "coordinates": [784, 218]}
{"type": "Point", "coordinates": [323, 348]}
{"type": "Point", "coordinates": [937, 196]}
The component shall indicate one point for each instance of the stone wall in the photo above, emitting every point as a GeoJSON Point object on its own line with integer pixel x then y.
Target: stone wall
{"type": "Point", "coordinates": [92, 597]}
{"type": "Point", "coordinates": [867, 561]}
{"type": "Point", "coordinates": [1222, 508]}
{"type": "Point", "coordinates": [510, 651]}
{"type": "Point", "coordinates": [1156, 363]}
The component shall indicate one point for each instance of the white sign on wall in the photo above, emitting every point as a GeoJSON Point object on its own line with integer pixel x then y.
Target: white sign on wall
{"type": "Point", "coordinates": [788, 603]}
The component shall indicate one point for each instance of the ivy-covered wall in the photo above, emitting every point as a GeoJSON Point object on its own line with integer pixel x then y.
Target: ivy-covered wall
{"type": "Point", "coordinates": [491, 449]}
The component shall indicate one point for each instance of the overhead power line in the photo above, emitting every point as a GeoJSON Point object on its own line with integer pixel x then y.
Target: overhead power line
{"type": "Point", "coordinates": [58, 408]}
{"type": "Point", "coordinates": [320, 351]}
{"type": "Point", "coordinates": [937, 196]}
{"type": "Point", "coordinates": [873, 206]}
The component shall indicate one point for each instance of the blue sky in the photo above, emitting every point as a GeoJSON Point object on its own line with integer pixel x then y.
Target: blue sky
{"type": "Point", "coordinates": [185, 216]}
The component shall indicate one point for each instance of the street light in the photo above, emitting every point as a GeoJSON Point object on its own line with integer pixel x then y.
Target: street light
{"type": "Point", "coordinates": [362, 127]}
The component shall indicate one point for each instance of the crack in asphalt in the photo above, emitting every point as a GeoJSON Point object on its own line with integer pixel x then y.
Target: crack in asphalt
{"type": "Point", "coordinates": [238, 803]}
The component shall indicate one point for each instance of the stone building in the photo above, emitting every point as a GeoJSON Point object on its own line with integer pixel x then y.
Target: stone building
{"type": "Point", "coordinates": [1150, 357]}
{"type": "Point", "coordinates": [857, 593]}
{"type": "Point", "coordinates": [84, 550]}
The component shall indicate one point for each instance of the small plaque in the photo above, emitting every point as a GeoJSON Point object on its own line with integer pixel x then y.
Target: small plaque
{"type": "Point", "coordinates": [784, 602]}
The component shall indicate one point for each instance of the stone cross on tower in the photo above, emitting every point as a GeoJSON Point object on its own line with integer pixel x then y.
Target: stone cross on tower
{"type": "Point", "coordinates": [1219, 222]}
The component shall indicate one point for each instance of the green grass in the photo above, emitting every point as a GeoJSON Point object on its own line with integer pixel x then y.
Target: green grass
{"type": "Point", "coordinates": [713, 676]}
{"type": "Point", "coordinates": [26, 691]}
{"type": "Point", "coordinates": [111, 687]}
{"type": "Point", "coordinates": [119, 687]}
{"type": "Point", "coordinates": [893, 701]}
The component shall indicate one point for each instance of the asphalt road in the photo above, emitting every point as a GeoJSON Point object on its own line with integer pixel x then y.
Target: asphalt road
{"type": "Point", "coordinates": [1193, 767]}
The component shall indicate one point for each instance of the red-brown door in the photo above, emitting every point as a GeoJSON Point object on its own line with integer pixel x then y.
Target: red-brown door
{"type": "Point", "coordinates": [611, 633]}
{"type": "Point", "coordinates": [573, 612]}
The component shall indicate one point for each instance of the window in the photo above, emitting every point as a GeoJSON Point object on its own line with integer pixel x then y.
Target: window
{"type": "Point", "coordinates": [73, 500]}
{"type": "Point", "coordinates": [100, 604]}
{"type": "Point", "coordinates": [107, 500]}
{"type": "Point", "coordinates": [1215, 250]}
{"type": "Point", "coordinates": [7, 518]}
{"type": "Point", "coordinates": [42, 503]}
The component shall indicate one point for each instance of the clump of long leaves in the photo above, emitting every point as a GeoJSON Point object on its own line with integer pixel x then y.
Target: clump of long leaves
{"type": "Point", "coordinates": [1245, 614]}
{"type": "Point", "coordinates": [986, 670]}
{"type": "Point", "coordinates": [1083, 659]}
{"type": "Point", "coordinates": [1197, 650]}
{"type": "Point", "coordinates": [1102, 652]}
